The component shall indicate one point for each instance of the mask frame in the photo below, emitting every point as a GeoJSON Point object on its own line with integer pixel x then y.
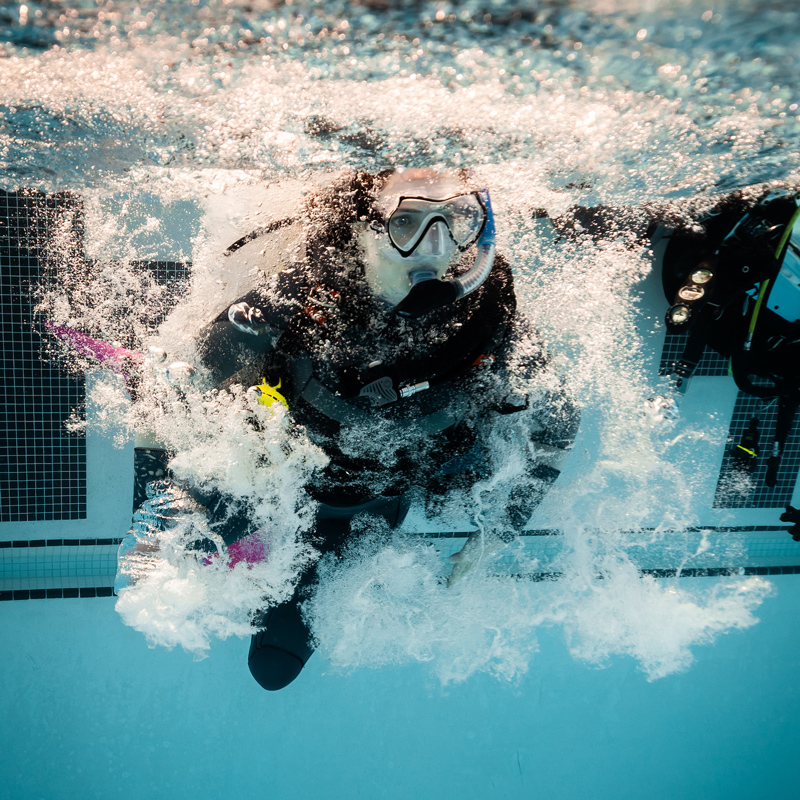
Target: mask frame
{"type": "Point", "coordinates": [430, 217]}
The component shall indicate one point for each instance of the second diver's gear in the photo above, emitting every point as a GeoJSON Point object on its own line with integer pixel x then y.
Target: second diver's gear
{"type": "Point", "coordinates": [792, 515]}
{"type": "Point", "coordinates": [690, 297]}
{"type": "Point", "coordinates": [787, 407]}
{"type": "Point", "coordinates": [737, 290]}
{"type": "Point", "coordinates": [745, 454]}
{"type": "Point", "coordinates": [784, 298]}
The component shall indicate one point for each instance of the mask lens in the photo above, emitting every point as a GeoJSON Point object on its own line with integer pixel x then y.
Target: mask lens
{"type": "Point", "coordinates": [404, 225]}
{"type": "Point", "coordinates": [464, 217]}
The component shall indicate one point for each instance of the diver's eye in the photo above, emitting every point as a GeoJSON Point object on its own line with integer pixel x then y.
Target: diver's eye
{"type": "Point", "coordinates": [402, 221]}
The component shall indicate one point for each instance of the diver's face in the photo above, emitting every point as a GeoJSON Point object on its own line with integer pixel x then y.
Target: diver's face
{"type": "Point", "coordinates": [388, 272]}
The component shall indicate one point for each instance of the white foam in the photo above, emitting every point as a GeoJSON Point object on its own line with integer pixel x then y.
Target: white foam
{"type": "Point", "coordinates": [558, 143]}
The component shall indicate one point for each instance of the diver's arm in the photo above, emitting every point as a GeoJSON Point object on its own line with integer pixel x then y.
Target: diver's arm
{"type": "Point", "coordinates": [232, 348]}
{"type": "Point", "coordinates": [540, 419]}
{"type": "Point", "coordinates": [635, 226]}
{"type": "Point", "coordinates": [168, 511]}
{"type": "Point", "coordinates": [540, 474]}
{"type": "Point", "coordinates": [240, 336]}
{"type": "Point", "coordinates": [632, 225]}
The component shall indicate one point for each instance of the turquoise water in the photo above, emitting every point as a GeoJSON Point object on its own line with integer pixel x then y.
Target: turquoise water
{"type": "Point", "coordinates": [90, 712]}
{"type": "Point", "coordinates": [170, 119]}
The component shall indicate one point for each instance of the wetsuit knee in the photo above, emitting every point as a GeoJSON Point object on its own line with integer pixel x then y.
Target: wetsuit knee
{"type": "Point", "coordinates": [281, 649]}
{"type": "Point", "coordinates": [525, 497]}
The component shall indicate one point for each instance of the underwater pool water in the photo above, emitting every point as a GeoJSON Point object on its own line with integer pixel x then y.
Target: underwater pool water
{"type": "Point", "coordinates": [183, 126]}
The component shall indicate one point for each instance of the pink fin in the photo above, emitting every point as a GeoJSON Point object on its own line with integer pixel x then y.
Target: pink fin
{"type": "Point", "coordinates": [252, 550]}
{"type": "Point", "coordinates": [112, 357]}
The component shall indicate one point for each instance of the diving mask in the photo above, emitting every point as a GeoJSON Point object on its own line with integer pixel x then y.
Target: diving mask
{"type": "Point", "coordinates": [467, 224]}
{"type": "Point", "coordinates": [420, 221]}
{"type": "Point", "coordinates": [427, 220]}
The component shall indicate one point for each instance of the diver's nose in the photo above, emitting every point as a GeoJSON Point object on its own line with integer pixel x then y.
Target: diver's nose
{"type": "Point", "coordinates": [435, 242]}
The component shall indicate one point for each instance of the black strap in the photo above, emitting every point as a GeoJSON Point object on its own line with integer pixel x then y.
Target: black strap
{"type": "Point", "coordinates": [744, 363]}
{"type": "Point", "coordinates": [338, 409]}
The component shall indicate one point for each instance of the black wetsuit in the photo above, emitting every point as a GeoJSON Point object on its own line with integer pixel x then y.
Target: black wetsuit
{"type": "Point", "coordinates": [343, 362]}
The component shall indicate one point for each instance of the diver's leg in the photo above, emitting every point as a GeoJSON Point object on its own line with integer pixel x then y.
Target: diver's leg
{"type": "Point", "coordinates": [522, 501]}
{"type": "Point", "coordinates": [283, 645]}
{"type": "Point", "coordinates": [280, 650]}
{"type": "Point", "coordinates": [393, 509]}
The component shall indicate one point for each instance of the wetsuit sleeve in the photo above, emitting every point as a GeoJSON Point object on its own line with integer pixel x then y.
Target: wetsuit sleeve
{"type": "Point", "coordinates": [632, 225]}
{"type": "Point", "coordinates": [232, 347]}
{"type": "Point", "coordinates": [167, 512]}
{"type": "Point", "coordinates": [637, 224]}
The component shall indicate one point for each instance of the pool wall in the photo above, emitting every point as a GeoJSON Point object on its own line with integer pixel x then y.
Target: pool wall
{"type": "Point", "coordinates": [90, 711]}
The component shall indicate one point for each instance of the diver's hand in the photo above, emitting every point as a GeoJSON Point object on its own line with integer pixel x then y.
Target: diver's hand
{"type": "Point", "coordinates": [180, 373]}
{"type": "Point", "coordinates": [166, 507]}
{"type": "Point", "coordinates": [478, 549]}
{"type": "Point", "coordinates": [661, 409]}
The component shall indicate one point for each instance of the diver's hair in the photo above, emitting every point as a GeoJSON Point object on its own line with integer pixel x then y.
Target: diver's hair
{"type": "Point", "coordinates": [329, 215]}
{"type": "Point", "coordinates": [331, 212]}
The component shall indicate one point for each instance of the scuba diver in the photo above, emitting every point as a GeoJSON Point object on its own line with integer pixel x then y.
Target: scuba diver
{"type": "Point", "coordinates": [386, 322]}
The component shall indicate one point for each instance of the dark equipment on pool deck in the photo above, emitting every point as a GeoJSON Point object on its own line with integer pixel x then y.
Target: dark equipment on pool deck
{"type": "Point", "coordinates": [792, 515]}
{"type": "Point", "coordinates": [735, 288]}
{"type": "Point", "coordinates": [745, 454]}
